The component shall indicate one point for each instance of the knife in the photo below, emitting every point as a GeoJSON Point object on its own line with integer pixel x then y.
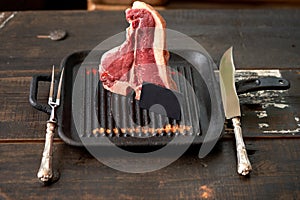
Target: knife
{"type": "Point", "coordinates": [232, 110]}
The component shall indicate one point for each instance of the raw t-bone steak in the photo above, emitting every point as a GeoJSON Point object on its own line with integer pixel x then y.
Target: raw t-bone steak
{"type": "Point", "coordinates": [141, 58]}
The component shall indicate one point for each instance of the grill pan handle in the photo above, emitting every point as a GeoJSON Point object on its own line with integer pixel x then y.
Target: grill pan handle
{"type": "Point", "coordinates": [34, 92]}
{"type": "Point", "coordinates": [263, 83]}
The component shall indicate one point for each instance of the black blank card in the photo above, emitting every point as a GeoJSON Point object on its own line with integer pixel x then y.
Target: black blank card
{"type": "Point", "coordinates": [169, 101]}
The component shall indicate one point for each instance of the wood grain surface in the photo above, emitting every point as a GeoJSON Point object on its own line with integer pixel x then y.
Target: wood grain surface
{"type": "Point", "coordinates": [275, 174]}
{"type": "Point", "coordinates": [262, 39]}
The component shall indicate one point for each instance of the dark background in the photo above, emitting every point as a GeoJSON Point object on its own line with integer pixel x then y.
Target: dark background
{"type": "Point", "coordinates": [20, 5]}
{"type": "Point", "coordinates": [11, 5]}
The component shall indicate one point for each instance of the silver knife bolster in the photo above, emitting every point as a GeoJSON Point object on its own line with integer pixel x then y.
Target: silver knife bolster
{"type": "Point", "coordinates": [244, 165]}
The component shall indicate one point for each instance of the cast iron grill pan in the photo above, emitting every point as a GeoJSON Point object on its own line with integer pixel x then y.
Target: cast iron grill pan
{"type": "Point", "coordinates": [116, 125]}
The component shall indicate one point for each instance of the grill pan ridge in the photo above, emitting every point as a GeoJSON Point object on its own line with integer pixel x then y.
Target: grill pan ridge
{"type": "Point", "coordinates": [126, 108]}
{"type": "Point", "coordinates": [122, 120]}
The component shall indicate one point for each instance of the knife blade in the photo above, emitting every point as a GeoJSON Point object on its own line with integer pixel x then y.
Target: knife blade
{"type": "Point", "coordinates": [232, 110]}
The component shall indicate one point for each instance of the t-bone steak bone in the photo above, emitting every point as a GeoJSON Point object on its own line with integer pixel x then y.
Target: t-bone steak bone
{"type": "Point", "coordinates": [141, 58]}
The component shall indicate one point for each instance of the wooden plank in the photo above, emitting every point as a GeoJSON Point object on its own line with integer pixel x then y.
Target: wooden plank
{"type": "Point", "coordinates": [18, 120]}
{"type": "Point", "coordinates": [275, 176]}
{"type": "Point", "coordinates": [261, 38]}
{"type": "Point", "coordinates": [272, 113]}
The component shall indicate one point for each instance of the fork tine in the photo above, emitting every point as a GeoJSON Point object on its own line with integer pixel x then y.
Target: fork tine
{"type": "Point", "coordinates": [52, 85]}
{"type": "Point", "coordinates": [59, 85]}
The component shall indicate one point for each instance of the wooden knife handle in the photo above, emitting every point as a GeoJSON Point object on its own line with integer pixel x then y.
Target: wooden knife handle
{"type": "Point", "coordinates": [243, 165]}
{"type": "Point", "coordinates": [45, 173]}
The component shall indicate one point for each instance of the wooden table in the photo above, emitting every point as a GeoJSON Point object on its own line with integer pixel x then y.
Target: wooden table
{"type": "Point", "coordinates": [262, 39]}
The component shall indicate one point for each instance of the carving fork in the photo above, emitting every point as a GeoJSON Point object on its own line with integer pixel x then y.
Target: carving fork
{"type": "Point", "coordinates": [45, 173]}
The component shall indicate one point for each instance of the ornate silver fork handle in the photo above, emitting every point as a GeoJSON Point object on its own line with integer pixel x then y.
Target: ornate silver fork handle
{"type": "Point", "coordinates": [45, 173]}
